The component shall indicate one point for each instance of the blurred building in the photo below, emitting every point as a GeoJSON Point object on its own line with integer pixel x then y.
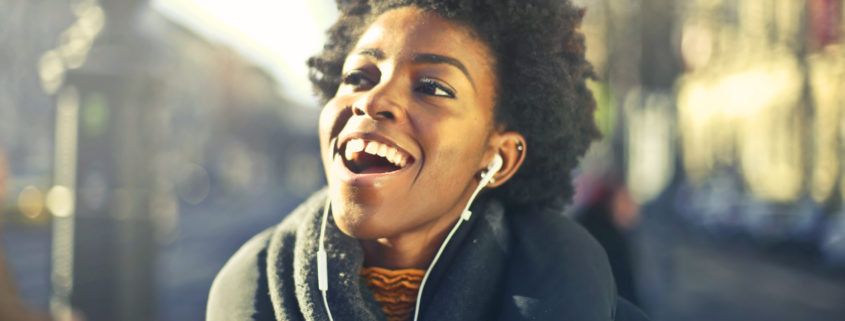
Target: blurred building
{"type": "Point", "coordinates": [725, 119]}
{"type": "Point", "coordinates": [116, 120]}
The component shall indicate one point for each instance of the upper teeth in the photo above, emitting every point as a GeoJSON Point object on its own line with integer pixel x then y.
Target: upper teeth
{"type": "Point", "coordinates": [393, 155]}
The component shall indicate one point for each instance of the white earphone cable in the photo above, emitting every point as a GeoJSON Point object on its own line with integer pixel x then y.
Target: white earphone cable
{"type": "Point", "coordinates": [322, 260]}
{"type": "Point", "coordinates": [494, 167]}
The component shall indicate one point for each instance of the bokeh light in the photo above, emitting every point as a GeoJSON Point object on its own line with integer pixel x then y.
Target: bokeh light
{"type": "Point", "coordinates": [52, 71]}
{"type": "Point", "coordinates": [60, 201]}
{"type": "Point", "coordinates": [193, 183]}
{"type": "Point", "coordinates": [31, 201]}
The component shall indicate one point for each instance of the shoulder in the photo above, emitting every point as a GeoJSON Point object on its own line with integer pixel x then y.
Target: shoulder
{"type": "Point", "coordinates": [556, 239]}
{"type": "Point", "coordinates": [558, 269]}
{"type": "Point", "coordinates": [233, 292]}
{"type": "Point", "coordinates": [240, 289]}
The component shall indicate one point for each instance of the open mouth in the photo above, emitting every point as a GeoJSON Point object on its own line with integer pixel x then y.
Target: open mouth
{"type": "Point", "coordinates": [363, 156]}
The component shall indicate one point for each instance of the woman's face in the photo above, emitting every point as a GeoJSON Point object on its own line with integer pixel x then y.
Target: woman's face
{"type": "Point", "coordinates": [410, 128]}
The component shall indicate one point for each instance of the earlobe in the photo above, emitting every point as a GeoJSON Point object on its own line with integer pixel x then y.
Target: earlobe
{"type": "Point", "coordinates": [512, 148]}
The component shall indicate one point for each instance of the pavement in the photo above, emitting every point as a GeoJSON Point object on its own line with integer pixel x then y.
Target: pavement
{"type": "Point", "coordinates": [683, 276]}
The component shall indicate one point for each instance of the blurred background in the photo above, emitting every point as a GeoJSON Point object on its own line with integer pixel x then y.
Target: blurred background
{"type": "Point", "coordinates": [143, 141]}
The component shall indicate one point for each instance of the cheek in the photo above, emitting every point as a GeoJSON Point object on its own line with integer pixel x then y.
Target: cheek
{"type": "Point", "coordinates": [327, 116]}
{"type": "Point", "coordinates": [458, 153]}
{"type": "Point", "coordinates": [332, 118]}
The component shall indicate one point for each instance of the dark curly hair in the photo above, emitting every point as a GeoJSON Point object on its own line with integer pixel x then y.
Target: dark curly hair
{"type": "Point", "coordinates": [541, 72]}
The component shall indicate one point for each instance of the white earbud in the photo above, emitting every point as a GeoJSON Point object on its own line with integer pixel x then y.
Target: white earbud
{"type": "Point", "coordinates": [495, 165]}
{"type": "Point", "coordinates": [492, 168]}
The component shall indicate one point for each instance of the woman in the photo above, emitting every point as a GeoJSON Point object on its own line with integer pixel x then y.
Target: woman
{"type": "Point", "coordinates": [427, 104]}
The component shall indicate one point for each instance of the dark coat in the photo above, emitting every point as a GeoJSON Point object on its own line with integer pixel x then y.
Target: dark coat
{"type": "Point", "coordinates": [532, 265]}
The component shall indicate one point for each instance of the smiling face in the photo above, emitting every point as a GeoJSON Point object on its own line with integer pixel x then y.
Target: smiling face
{"type": "Point", "coordinates": [411, 126]}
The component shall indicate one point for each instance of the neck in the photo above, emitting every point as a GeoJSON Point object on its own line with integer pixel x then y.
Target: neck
{"type": "Point", "coordinates": [414, 249]}
{"type": "Point", "coordinates": [411, 250]}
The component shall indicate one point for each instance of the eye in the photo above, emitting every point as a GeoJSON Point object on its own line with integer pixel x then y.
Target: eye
{"type": "Point", "coordinates": [357, 79]}
{"type": "Point", "coordinates": [432, 87]}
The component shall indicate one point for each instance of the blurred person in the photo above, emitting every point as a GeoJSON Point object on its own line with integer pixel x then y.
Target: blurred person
{"type": "Point", "coordinates": [608, 212]}
{"type": "Point", "coordinates": [12, 307]}
{"type": "Point", "coordinates": [428, 103]}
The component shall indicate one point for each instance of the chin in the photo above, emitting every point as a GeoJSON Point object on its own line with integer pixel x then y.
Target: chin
{"type": "Point", "coordinates": [357, 219]}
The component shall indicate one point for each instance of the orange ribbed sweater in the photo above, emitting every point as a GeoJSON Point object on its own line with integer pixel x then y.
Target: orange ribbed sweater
{"type": "Point", "coordinates": [395, 290]}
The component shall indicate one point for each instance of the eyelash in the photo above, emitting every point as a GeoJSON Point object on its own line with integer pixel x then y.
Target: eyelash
{"type": "Point", "coordinates": [433, 86]}
{"type": "Point", "coordinates": [354, 78]}
{"type": "Point", "coordinates": [427, 86]}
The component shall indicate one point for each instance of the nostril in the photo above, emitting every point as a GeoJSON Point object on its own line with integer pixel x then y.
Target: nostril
{"type": "Point", "coordinates": [375, 112]}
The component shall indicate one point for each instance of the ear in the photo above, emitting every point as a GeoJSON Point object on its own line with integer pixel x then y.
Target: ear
{"type": "Point", "coordinates": [511, 145]}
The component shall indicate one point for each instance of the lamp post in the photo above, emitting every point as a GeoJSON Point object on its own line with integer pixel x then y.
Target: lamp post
{"type": "Point", "coordinates": [106, 143]}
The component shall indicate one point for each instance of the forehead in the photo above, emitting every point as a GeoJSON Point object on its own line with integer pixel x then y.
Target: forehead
{"type": "Point", "coordinates": [410, 30]}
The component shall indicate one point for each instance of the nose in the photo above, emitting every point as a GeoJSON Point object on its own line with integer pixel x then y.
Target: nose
{"type": "Point", "coordinates": [382, 102]}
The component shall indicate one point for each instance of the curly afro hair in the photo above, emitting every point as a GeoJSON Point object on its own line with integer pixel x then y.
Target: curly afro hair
{"type": "Point", "coordinates": [541, 72]}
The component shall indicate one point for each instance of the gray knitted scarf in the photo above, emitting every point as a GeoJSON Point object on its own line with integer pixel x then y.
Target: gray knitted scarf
{"type": "Point", "coordinates": [464, 284]}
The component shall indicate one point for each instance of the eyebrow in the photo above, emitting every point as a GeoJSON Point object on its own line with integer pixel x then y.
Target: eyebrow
{"type": "Point", "coordinates": [372, 52]}
{"type": "Point", "coordinates": [423, 58]}
{"type": "Point", "coordinates": [438, 59]}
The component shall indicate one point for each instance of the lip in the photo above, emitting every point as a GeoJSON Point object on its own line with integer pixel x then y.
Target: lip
{"type": "Point", "coordinates": [372, 179]}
